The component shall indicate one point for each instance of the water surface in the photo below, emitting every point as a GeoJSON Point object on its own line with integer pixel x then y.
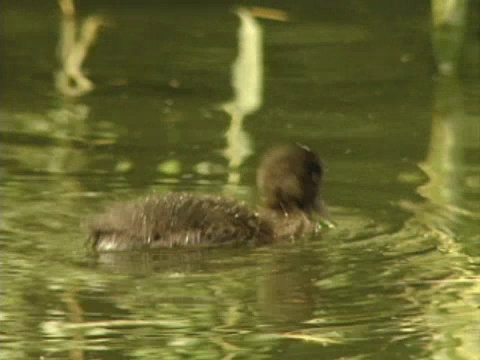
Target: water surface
{"type": "Point", "coordinates": [399, 276]}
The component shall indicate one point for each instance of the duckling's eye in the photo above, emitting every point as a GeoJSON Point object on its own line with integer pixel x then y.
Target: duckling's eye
{"type": "Point", "coordinates": [315, 168]}
{"type": "Point", "coordinates": [315, 171]}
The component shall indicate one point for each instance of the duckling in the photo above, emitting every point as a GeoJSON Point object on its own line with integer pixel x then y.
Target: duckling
{"type": "Point", "coordinates": [288, 177]}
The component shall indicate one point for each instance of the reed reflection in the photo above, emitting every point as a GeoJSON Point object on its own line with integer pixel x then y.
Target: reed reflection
{"type": "Point", "coordinates": [447, 213]}
{"type": "Point", "coordinates": [247, 83]}
{"type": "Point", "coordinates": [448, 19]}
{"type": "Point", "coordinates": [73, 47]}
{"type": "Point", "coordinates": [455, 136]}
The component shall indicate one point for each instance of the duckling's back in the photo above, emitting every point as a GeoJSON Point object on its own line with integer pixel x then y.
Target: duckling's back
{"type": "Point", "coordinates": [177, 220]}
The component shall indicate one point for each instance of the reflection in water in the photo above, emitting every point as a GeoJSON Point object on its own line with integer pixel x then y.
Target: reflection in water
{"type": "Point", "coordinates": [68, 123]}
{"type": "Point", "coordinates": [456, 43]}
{"type": "Point", "coordinates": [445, 12]}
{"type": "Point", "coordinates": [72, 50]}
{"type": "Point", "coordinates": [55, 141]}
{"type": "Point", "coordinates": [247, 70]}
{"type": "Point", "coordinates": [448, 18]}
{"type": "Point", "coordinates": [247, 82]}
{"type": "Point", "coordinates": [455, 133]}
{"type": "Point", "coordinates": [445, 150]}
{"type": "Point", "coordinates": [238, 148]}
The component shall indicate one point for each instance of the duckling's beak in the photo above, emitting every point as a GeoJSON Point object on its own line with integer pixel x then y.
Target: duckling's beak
{"type": "Point", "coordinates": [320, 207]}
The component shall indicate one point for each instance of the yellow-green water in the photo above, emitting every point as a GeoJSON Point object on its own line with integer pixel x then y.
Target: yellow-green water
{"type": "Point", "coordinates": [399, 276]}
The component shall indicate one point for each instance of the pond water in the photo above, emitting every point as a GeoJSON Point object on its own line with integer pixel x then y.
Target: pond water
{"type": "Point", "coordinates": [397, 278]}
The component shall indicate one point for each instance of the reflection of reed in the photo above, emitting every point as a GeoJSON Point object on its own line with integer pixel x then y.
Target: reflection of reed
{"type": "Point", "coordinates": [247, 70]}
{"type": "Point", "coordinates": [445, 167]}
{"type": "Point", "coordinates": [454, 132]}
{"type": "Point", "coordinates": [445, 156]}
{"type": "Point", "coordinates": [448, 33]}
{"type": "Point", "coordinates": [72, 50]}
{"type": "Point", "coordinates": [69, 124]}
{"type": "Point", "coordinates": [447, 11]}
{"type": "Point", "coordinates": [238, 148]}
{"type": "Point", "coordinates": [247, 82]}
{"type": "Point", "coordinates": [76, 314]}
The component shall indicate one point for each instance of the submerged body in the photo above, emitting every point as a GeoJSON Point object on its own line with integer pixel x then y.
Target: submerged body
{"type": "Point", "coordinates": [288, 176]}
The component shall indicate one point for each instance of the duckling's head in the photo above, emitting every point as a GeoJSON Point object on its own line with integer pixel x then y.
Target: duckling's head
{"type": "Point", "coordinates": [289, 178]}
